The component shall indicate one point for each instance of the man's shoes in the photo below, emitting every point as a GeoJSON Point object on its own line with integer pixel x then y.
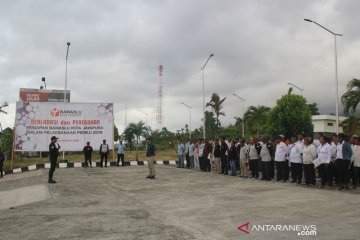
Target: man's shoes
{"type": "Point", "coordinates": [51, 181]}
{"type": "Point", "coordinates": [152, 177]}
{"type": "Point", "coordinates": [148, 177]}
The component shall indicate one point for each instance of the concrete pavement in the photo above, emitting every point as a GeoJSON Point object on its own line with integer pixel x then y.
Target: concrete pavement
{"type": "Point", "coordinates": [119, 203]}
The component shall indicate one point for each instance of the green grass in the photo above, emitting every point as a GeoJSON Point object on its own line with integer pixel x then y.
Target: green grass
{"type": "Point", "coordinates": [79, 157]}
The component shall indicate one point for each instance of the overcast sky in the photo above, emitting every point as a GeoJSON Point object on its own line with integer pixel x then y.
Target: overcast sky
{"type": "Point", "coordinates": [117, 46]}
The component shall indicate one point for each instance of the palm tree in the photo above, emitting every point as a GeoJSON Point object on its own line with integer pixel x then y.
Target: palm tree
{"type": "Point", "coordinates": [136, 130]}
{"type": "Point", "coordinates": [256, 118]}
{"type": "Point", "coordinates": [351, 97]}
{"type": "Point", "coordinates": [5, 104]}
{"type": "Point", "coordinates": [216, 105]}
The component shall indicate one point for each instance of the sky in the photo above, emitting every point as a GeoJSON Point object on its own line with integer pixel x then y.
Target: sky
{"type": "Point", "coordinates": [116, 47]}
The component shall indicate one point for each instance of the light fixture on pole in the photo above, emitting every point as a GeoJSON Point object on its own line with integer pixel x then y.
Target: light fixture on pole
{"type": "Point", "coordinates": [301, 89]}
{"type": "Point", "coordinates": [67, 54]}
{"type": "Point", "coordinates": [203, 86]}
{"type": "Point", "coordinates": [243, 110]}
{"type": "Point", "coordinates": [189, 107]}
{"type": "Point", "coordinates": [146, 114]}
{"type": "Point", "coordinates": [43, 80]}
{"type": "Point", "coordinates": [336, 71]}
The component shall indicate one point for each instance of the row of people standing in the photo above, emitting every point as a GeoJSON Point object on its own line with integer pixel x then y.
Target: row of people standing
{"type": "Point", "coordinates": [297, 158]}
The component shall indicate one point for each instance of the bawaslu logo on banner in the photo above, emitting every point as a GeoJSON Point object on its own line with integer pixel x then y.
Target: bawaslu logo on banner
{"type": "Point", "coordinates": [73, 123]}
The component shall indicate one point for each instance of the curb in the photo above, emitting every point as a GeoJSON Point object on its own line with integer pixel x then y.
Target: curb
{"type": "Point", "coordinates": [82, 165]}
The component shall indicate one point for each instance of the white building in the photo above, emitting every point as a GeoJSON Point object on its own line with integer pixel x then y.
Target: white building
{"type": "Point", "coordinates": [326, 123]}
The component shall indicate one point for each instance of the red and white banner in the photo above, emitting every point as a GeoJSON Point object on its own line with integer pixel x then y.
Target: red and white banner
{"type": "Point", "coordinates": [42, 95]}
{"type": "Point", "coordinates": [73, 123]}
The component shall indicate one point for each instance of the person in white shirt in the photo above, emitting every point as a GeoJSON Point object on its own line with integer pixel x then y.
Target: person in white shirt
{"type": "Point", "coordinates": [197, 155]}
{"type": "Point", "coordinates": [309, 154]}
{"type": "Point", "coordinates": [121, 154]}
{"type": "Point", "coordinates": [280, 154]}
{"type": "Point", "coordinates": [180, 152]}
{"type": "Point", "coordinates": [265, 155]}
{"type": "Point", "coordinates": [253, 151]}
{"type": "Point", "coordinates": [324, 152]}
{"type": "Point", "coordinates": [187, 156]}
{"type": "Point", "coordinates": [332, 166]}
{"type": "Point", "coordinates": [243, 158]}
{"type": "Point", "coordinates": [356, 160]}
{"type": "Point", "coordinates": [191, 153]}
{"type": "Point", "coordinates": [295, 158]}
{"type": "Point", "coordinates": [104, 152]}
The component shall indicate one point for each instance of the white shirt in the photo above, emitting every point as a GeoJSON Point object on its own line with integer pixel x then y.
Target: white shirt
{"type": "Point", "coordinates": [333, 147]}
{"type": "Point", "coordinates": [265, 153]}
{"type": "Point", "coordinates": [280, 152]}
{"type": "Point", "coordinates": [309, 154]}
{"type": "Point", "coordinates": [252, 152]}
{"type": "Point", "coordinates": [339, 154]}
{"type": "Point", "coordinates": [201, 149]}
{"type": "Point", "coordinates": [243, 151]}
{"type": "Point", "coordinates": [324, 153]}
{"type": "Point", "coordinates": [356, 155]}
{"type": "Point", "coordinates": [191, 149]}
{"type": "Point", "coordinates": [295, 153]}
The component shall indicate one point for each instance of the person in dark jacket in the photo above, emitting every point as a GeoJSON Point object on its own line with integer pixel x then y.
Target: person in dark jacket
{"type": "Point", "coordinates": [224, 160]}
{"type": "Point", "coordinates": [343, 157]}
{"type": "Point", "coordinates": [207, 150]}
{"type": "Point", "coordinates": [150, 153]}
{"type": "Point", "coordinates": [217, 157]}
{"type": "Point", "coordinates": [54, 151]}
{"type": "Point", "coordinates": [87, 150]}
{"type": "Point", "coordinates": [233, 158]}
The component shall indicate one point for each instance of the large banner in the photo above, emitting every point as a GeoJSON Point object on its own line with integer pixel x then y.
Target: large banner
{"type": "Point", "coordinates": [42, 95]}
{"type": "Point", "coordinates": [73, 123]}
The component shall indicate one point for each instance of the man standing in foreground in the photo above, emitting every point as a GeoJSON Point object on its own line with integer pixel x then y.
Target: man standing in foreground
{"type": "Point", "coordinates": [87, 154]}
{"type": "Point", "coordinates": [54, 150]}
{"type": "Point", "coordinates": [150, 153]}
{"type": "Point", "coordinates": [104, 151]}
{"type": "Point", "coordinates": [121, 154]}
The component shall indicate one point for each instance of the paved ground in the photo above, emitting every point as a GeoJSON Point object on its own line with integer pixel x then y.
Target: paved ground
{"type": "Point", "coordinates": [119, 203]}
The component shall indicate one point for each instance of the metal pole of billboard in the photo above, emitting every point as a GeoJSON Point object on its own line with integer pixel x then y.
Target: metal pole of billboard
{"type": "Point", "coordinates": [65, 90]}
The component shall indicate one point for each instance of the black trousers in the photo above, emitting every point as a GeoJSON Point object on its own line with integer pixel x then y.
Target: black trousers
{"type": "Point", "coordinates": [287, 170]}
{"type": "Point", "coordinates": [120, 157]}
{"type": "Point", "coordinates": [272, 169]}
{"type": "Point", "coordinates": [187, 160]}
{"type": "Point", "coordinates": [207, 164]}
{"type": "Point", "coordinates": [224, 165]}
{"type": "Point", "coordinates": [343, 171]}
{"type": "Point", "coordinates": [280, 171]}
{"type": "Point", "coordinates": [254, 168]}
{"type": "Point", "coordinates": [88, 159]}
{"type": "Point", "coordinates": [296, 172]}
{"type": "Point", "coordinates": [309, 173]}
{"type": "Point", "coordinates": [52, 168]}
{"type": "Point", "coordinates": [201, 163]}
{"type": "Point", "coordinates": [1, 170]}
{"type": "Point", "coordinates": [103, 156]}
{"type": "Point", "coordinates": [266, 171]}
{"type": "Point", "coordinates": [356, 175]}
{"type": "Point", "coordinates": [333, 173]}
{"type": "Point", "coordinates": [324, 172]}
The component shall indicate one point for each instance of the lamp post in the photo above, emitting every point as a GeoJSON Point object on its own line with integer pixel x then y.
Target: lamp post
{"type": "Point", "coordinates": [203, 86]}
{"type": "Point", "coordinates": [301, 89]}
{"type": "Point", "coordinates": [243, 110]}
{"type": "Point", "coordinates": [145, 113]}
{"type": "Point", "coordinates": [67, 54]}
{"type": "Point", "coordinates": [43, 80]}
{"type": "Point", "coordinates": [189, 107]}
{"type": "Point", "coordinates": [336, 71]}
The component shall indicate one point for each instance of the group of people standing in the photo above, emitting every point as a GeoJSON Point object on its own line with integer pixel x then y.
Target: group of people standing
{"type": "Point", "coordinates": [336, 160]}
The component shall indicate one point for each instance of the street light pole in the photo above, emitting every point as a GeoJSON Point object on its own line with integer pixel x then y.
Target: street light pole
{"type": "Point", "coordinates": [145, 115]}
{"type": "Point", "coordinates": [203, 86]}
{"type": "Point", "coordinates": [243, 110]}
{"type": "Point", "coordinates": [301, 89]}
{"type": "Point", "coordinates": [67, 54]}
{"type": "Point", "coordinates": [336, 71]}
{"type": "Point", "coordinates": [189, 107]}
